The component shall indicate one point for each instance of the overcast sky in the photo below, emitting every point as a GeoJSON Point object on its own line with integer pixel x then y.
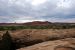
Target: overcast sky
{"type": "Point", "coordinates": [37, 10]}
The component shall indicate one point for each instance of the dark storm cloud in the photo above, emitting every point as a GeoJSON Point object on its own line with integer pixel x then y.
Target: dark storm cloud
{"type": "Point", "coordinates": [24, 10]}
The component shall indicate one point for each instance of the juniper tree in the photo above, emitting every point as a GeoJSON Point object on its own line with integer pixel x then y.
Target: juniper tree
{"type": "Point", "coordinates": [7, 43]}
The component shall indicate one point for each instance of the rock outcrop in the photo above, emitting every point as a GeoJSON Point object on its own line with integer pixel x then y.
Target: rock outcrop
{"type": "Point", "coordinates": [64, 44]}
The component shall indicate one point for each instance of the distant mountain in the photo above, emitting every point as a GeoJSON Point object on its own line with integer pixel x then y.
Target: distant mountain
{"type": "Point", "coordinates": [38, 23]}
{"type": "Point", "coordinates": [34, 23]}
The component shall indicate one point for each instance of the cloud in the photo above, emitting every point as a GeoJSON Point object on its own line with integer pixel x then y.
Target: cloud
{"type": "Point", "coordinates": [25, 10]}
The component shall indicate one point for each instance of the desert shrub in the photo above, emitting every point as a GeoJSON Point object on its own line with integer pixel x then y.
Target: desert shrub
{"type": "Point", "coordinates": [6, 43]}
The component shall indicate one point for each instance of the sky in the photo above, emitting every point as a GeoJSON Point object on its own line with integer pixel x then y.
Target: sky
{"type": "Point", "coordinates": [21, 11]}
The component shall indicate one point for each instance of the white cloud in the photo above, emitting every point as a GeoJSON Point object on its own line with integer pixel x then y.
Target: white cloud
{"type": "Point", "coordinates": [29, 10]}
{"type": "Point", "coordinates": [64, 4]}
{"type": "Point", "coordinates": [38, 2]}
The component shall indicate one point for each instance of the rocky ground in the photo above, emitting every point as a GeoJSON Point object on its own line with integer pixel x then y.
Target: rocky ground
{"type": "Point", "coordinates": [65, 44]}
{"type": "Point", "coordinates": [42, 39]}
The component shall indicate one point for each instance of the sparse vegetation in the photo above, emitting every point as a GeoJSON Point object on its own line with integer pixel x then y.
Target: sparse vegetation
{"type": "Point", "coordinates": [51, 26]}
